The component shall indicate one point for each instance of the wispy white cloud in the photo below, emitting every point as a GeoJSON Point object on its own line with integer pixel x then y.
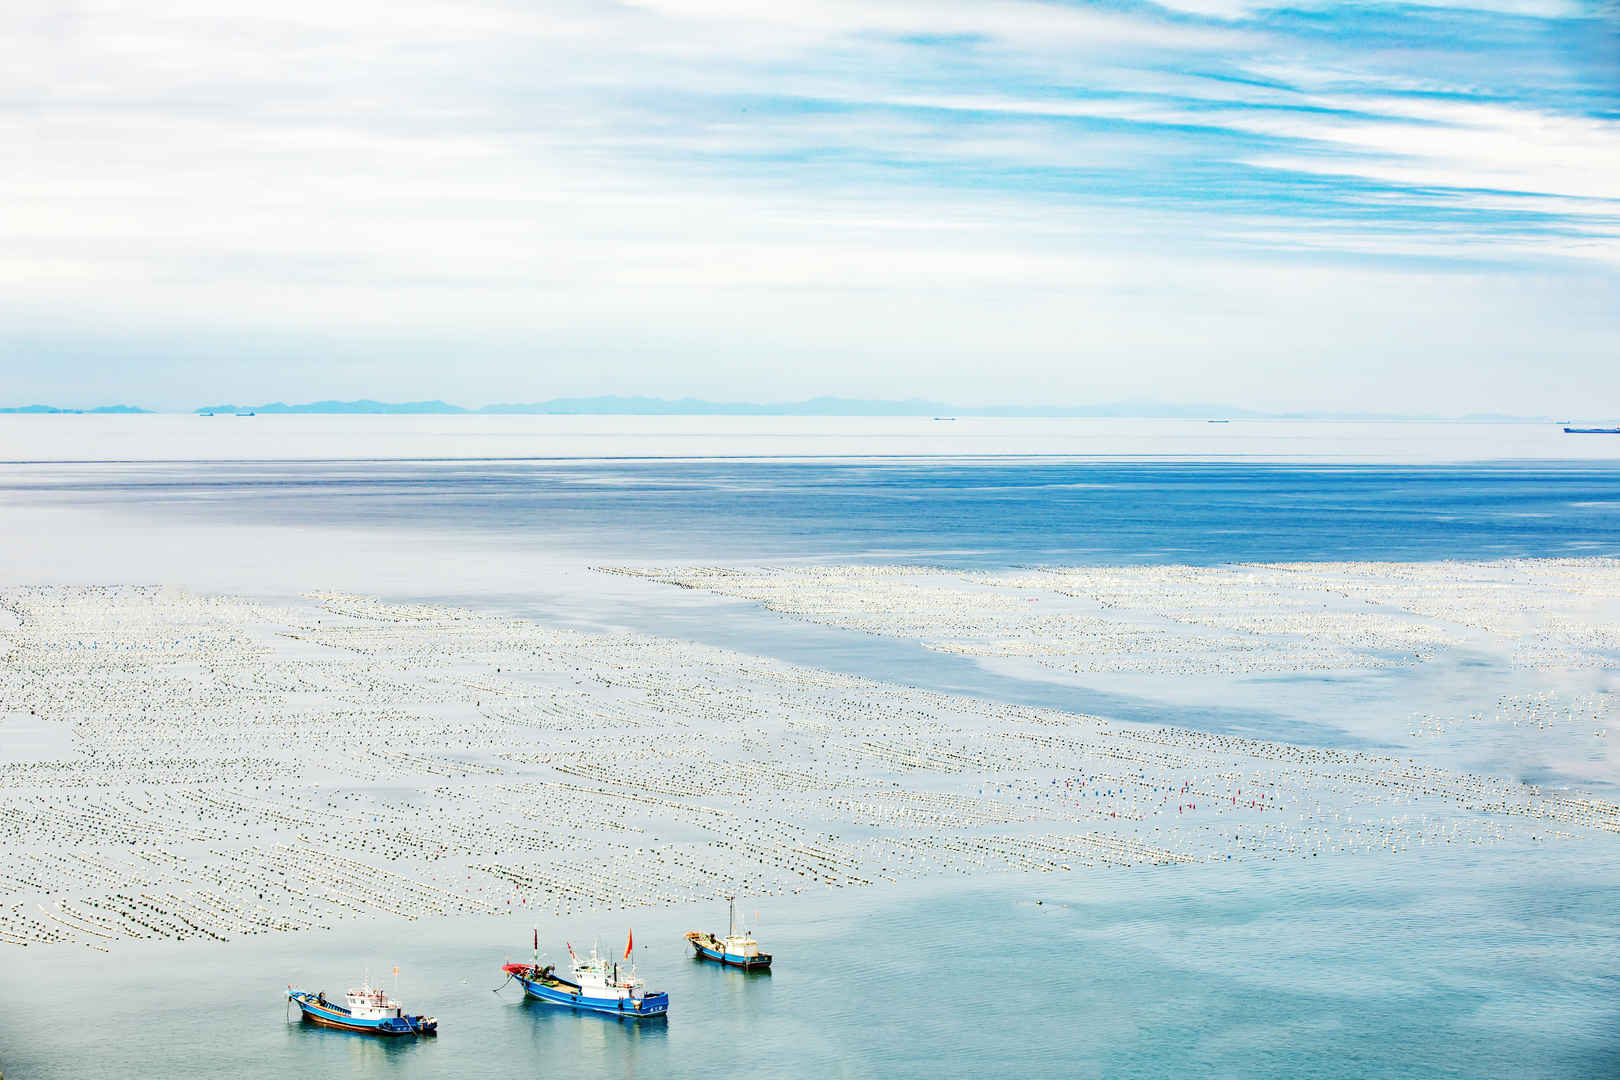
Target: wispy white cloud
{"type": "Point", "coordinates": [712, 181]}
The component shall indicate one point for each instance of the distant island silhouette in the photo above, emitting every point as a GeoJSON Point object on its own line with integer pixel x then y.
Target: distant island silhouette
{"type": "Point", "coordinates": [98, 410]}
{"type": "Point", "coordinates": [636, 405]}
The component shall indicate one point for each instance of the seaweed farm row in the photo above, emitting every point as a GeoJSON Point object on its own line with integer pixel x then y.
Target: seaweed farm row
{"type": "Point", "coordinates": [1535, 614]}
{"type": "Point", "coordinates": [177, 766]}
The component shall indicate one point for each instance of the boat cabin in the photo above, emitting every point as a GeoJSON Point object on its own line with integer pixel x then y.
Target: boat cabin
{"type": "Point", "coordinates": [742, 945]}
{"type": "Point", "coordinates": [368, 1004]}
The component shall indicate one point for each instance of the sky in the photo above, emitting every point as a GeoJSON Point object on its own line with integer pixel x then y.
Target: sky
{"type": "Point", "coordinates": [1401, 207]}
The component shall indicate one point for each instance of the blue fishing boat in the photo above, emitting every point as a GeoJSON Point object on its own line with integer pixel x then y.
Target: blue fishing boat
{"type": "Point", "coordinates": [736, 949]}
{"type": "Point", "coordinates": [598, 985]}
{"type": "Point", "coordinates": [368, 1010]}
{"type": "Point", "coordinates": [1592, 431]}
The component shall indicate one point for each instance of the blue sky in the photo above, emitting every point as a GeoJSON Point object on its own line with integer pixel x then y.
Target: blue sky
{"type": "Point", "coordinates": [1407, 207]}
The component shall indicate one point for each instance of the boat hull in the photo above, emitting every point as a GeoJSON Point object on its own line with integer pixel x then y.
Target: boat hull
{"type": "Point", "coordinates": [642, 1008]}
{"type": "Point", "coordinates": [331, 1016]}
{"type": "Point", "coordinates": [737, 960]}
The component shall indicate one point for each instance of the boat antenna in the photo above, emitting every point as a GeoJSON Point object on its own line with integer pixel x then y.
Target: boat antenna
{"type": "Point", "coordinates": [732, 932]}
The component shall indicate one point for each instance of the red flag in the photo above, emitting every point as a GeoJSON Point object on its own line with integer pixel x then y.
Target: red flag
{"type": "Point", "coordinates": [629, 943]}
{"type": "Point", "coordinates": [570, 949]}
{"type": "Point", "coordinates": [537, 939]}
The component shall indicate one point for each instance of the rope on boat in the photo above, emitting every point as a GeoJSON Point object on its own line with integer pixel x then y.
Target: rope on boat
{"type": "Point", "coordinates": [501, 987]}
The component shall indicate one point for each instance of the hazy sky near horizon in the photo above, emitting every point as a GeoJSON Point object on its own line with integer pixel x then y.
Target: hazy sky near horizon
{"type": "Point", "coordinates": [1406, 207]}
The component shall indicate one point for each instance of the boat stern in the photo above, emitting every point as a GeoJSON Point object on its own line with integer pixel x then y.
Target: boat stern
{"type": "Point", "coordinates": [409, 1025]}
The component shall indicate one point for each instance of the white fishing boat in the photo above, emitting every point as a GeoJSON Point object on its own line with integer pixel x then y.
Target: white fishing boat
{"type": "Point", "coordinates": [737, 949]}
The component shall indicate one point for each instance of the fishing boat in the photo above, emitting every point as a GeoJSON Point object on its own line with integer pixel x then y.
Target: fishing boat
{"type": "Point", "coordinates": [736, 949]}
{"type": "Point", "coordinates": [1592, 431]}
{"type": "Point", "coordinates": [368, 1010]}
{"type": "Point", "coordinates": [598, 985]}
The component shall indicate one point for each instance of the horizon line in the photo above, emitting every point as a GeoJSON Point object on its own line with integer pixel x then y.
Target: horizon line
{"type": "Point", "coordinates": [821, 405]}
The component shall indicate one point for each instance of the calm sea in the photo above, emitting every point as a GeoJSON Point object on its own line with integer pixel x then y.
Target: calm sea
{"type": "Point", "coordinates": [1447, 965]}
{"type": "Point", "coordinates": [1495, 963]}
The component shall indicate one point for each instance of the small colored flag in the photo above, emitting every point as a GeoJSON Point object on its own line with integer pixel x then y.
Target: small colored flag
{"type": "Point", "coordinates": [537, 939]}
{"type": "Point", "coordinates": [570, 949]}
{"type": "Point", "coordinates": [629, 943]}
{"type": "Point", "coordinates": [396, 969]}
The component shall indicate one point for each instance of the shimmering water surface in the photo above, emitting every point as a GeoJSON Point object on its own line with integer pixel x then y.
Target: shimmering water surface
{"type": "Point", "coordinates": [1455, 964]}
{"type": "Point", "coordinates": [989, 512]}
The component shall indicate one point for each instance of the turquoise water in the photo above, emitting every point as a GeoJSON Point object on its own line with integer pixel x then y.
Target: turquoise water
{"type": "Point", "coordinates": [1459, 965]}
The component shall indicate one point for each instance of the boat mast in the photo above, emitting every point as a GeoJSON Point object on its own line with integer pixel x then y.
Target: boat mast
{"type": "Point", "coordinates": [733, 931]}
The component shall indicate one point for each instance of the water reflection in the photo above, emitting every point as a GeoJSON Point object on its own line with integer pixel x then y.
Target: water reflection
{"type": "Point", "coordinates": [581, 1035]}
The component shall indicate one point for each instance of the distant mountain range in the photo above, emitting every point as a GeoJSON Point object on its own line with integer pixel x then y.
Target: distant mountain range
{"type": "Point", "coordinates": [101, 409]}
{"type": "Point", "coordinates": [617, 405]}
{"type": "Point", "coordinates": [403, 408]}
